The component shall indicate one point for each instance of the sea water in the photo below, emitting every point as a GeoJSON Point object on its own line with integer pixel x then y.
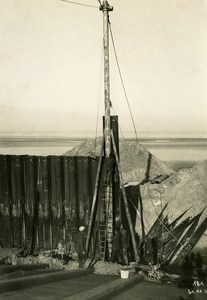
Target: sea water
{"type": "Point", "coordinates": [42, 146]}
{"type": "Point", "coordinates": [176, 152]}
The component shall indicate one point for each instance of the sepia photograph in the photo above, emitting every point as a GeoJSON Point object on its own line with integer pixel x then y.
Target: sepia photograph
{"type": "Point", "coordinates": [103, 149]}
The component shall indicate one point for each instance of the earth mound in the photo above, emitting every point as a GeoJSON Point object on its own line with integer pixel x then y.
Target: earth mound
{"type": "Point", "coordinates": [137, 162]}
{"type": "Point", "coordinates": [185, 189]}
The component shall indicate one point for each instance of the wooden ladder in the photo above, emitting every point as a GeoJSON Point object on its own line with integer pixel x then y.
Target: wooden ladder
{"type": "Point", "coordinates": [105, 223]}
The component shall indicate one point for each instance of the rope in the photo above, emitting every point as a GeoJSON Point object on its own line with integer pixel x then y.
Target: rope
{"type": "Point", "coordinates": [76, 3]}
{"type": "Point", "coordinates": [123, 86]}
{"type": "Point", "coordinates": [122, 81]}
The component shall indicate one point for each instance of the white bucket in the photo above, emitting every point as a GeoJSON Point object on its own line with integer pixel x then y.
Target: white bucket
{"type": "Point", "coordinates": [124, 274]}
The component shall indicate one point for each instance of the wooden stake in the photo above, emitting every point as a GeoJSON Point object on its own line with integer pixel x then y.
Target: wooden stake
{"type": "Point", "coordinates": [94, 201]}
{"type": "Point", "coordinates": [125, 199]}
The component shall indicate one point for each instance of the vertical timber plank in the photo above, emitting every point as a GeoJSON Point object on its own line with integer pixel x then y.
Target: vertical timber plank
{"type": "Point", "coordinates": [59, 199]}
{"type": "Point", "coordinates": [50, 202]}
{"type": "Point", "coordinates": [35, 223]}
{"type": "Point", "coordinates": [84, 190]}
{"type": "Point", "coordinates": [16, 196]}
{"type": "Point", "coordinates": [53, 200]}
{"type": "Point", "coordinates": [11, 232]}
{"type": "Point", "coordinates": [23, 200]}
{"type": "Point", "coordinates": [4, 203]}
{"type": "Point", "coordinates": [41, 206]}
{"type": "Point", "coordinates": [30, 198]}
{"type": "Point", "coordinates": [80, 183]}
{"type": "Point", "coordinates": [63, 167]}
{"type": "Point", "coordinates": [45, 205]}
{"type": "Point", "coordinates": [72, 200]}
{"type": "Point", "coordinates": [77, 207]}
{"type": "Point", "coordinates": [56, 200]}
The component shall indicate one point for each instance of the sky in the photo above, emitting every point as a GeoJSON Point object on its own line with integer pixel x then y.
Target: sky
{"type": "Point", "coordinates": [51, 69]}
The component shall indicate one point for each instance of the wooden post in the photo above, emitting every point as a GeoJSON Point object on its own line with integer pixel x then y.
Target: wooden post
{"type": "Point", "coordinates": [105, 7]}
{"type": "Point", "coordinates": [94, 202]}
{"type": "Point", "coordinates": [125, 200]}
{"type": "Point", "coordinates": [141, 214]}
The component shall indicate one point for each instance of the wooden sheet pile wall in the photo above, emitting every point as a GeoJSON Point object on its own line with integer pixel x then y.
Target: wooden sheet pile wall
{"type": "Point", "coordinates": [44, 199]}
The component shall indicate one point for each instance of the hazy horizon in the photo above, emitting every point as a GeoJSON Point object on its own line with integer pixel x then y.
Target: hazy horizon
{"type": "Point", "coordinates": [178, 152]}
{"type": "Point", "coordinates": [79, 135]}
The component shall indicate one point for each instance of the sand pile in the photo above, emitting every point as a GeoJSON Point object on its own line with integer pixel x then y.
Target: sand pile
{"type": "Point", "coordinates": [136, 160]}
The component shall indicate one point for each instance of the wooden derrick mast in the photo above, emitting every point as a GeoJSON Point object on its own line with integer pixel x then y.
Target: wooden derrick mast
{"type": "Point", "coordinates": [106, 207]}
{"type": "Point", "coordinates": [102, 213]}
